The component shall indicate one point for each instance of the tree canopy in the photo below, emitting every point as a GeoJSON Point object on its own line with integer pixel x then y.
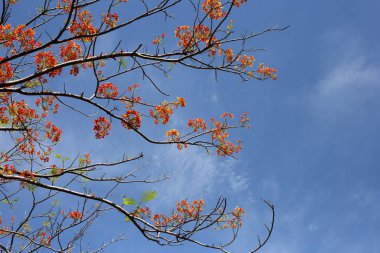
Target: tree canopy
{"type": "Point", "coordinates": [42, 55]}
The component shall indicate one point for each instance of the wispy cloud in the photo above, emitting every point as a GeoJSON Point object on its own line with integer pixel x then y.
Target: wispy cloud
{"type": "Point", "coordinates": [194, 173]}
{"type": "Point", "coordinates": [352, 75]}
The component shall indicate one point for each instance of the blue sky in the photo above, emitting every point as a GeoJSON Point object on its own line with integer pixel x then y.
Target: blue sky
{"type": "Point", "coordinates": [314, 146]}
{"type": "Point", "coordinates": [312, 149]}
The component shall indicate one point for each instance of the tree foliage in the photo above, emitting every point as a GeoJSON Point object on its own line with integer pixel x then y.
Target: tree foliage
{"type": "Point", "coordinates": [65, 39]}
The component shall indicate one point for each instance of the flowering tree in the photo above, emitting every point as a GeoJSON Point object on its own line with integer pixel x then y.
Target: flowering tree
{"type": "Point", "coordinates": [63, 39]}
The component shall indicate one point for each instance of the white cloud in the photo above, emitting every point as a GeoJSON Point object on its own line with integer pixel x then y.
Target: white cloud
{"type": "Point", "coordinates": [351, 79]}
{"type": "Point", "coordinates": [351, 74]}
{"type": "Point", "coordinates": [194, 174]}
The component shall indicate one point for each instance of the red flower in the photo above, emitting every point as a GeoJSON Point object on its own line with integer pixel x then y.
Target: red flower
{"type": "Point", "coordinates": [6, 71]}
{"type": "Point", "coordinates": [46, 60]}
{"type": "Point", "coordinates": [75, 215]}
{"type": "Point", "coordinates": [101, 127]}
{"type": "Point", "coordinates": [133, 118]}
{"type": "Point", "coordinates": [108, 90]}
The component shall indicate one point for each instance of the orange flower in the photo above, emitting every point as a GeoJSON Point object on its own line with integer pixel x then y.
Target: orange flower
{"type": "Point", "coordinates": [213, 8]}
{"type": "Point", "coordinates": [108, 90]}
{"type": "Point", "coordinates": [227, 114]}
{"type": "Point", "coordinates": [172, 134]}
{"type": "Point", "coordinates": [6, 71]}
{"type": "Point", "coordinates": [133, 118]}
{"type": "Point", "coordinates": [75, 215]}
{"type": "Point", "coordinates": [180, 102]}
{"type": "Point", "coordinates": [229, 54]}
{"type": "Point", "coordinates": [70, 51]}
{"type": "Point", "coordinates": [238, 3]}
{"type": "Point", "coordinates": [84, 26]}
{"type": "Point", "coordinates": [110, 19]}
{"type": "Point", "coordinates": [66, 5]}
{"type": "Point", "coordinates": [267, 72]}
{"type": "Point", "coordinates": [52, 132]}
{"type": "Point", "coordinates": [185, 36]}
{"type": "Point", "coordinates": [197, 124]}
{"type": "Point", "coordinates": [246, 61]}
{"type": "Point", "coordinates": [161, 113]}
{"type": "Point", "coordinates": [101, 127]}
{"type": "Point", "coordinates": [157, 40]}
{"type": "Point", "coordinates": [46, 60]}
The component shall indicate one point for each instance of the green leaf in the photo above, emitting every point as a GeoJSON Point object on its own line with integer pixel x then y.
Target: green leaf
{"type": "Point", "coordinates": [58, 156]}
{"type": "Point", "coordinates": [123, 62]}
{"type": "Point", "coordinates": [129, 201]}
{"type": "Point", "coordinates": [56, 202]}
{"type": "Point", "coordinates": [127, 219]}
{"type": "Point", "coordinates": [148, 196]}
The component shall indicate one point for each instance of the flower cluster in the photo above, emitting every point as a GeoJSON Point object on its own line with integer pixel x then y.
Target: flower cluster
{"type": "Point", "coordinates": [23, 36]}
{"type": "Point", "coordinates": [174, 136]}
{"type": "Point", "coordinates": [213, 8]}
{"type": "Point", "coordinates": [26, 174]}
{"type": "Point", "coordinates": [65, 5]}
{"type": "Point", "coordinates": [52, 132]}
{"type": "Point", "coordinates": [180, 102]}
{"type": "Point", "coordinates": [84, 27]}
{"type": "Point", "coordinates": [202, 33]}
{"type": "Point", "coordinates": [110, 19]}
{"type": "Point", "coordinates": [101, 127]}
{"type": "Point", "coordinates": [69, 52]}
{"type": "Point", "coordinates": [185, 36]}
{"type": "Point", "coordinates": [75, 215]}
{"type": "Point", "coordinates": [131, 100]}
{"type": "Point", "coordinates": [44, 155]}
{"type": "Point", "coordinates": [246, 61]}
{"type": "Point", "coordinates": [4, 97]}
{"type": "Point", "coordinates": [244, 119]}
{"type": "Point", "coordinates": [108, 90]}
{"type": "Point", "coordinates": [197, 124]}
{"type": "Point", "coordinates": [219, 136]}
{"type": "Point", "coordinates": [133, 119]}
{"type": "Point", "coordinates": [46, 60]}
{"type": "Point", "coordinates": [161, 113]}
{"type": "Point", "coordinates": [45, 240]}
{"type": "Point", "coordinates": [4, 119]}
{"type": "Point", "coordinates": [26, 143]}
{"type": "Point", "coordinates": [238, 3]}
{"type": "Point", "coordinates": [142, 211]}
{"type": "Point", "coordinates": [157, 39]}
{"type": "Point", "coordinates": [229, 55]}
{"type": "Point", "coordinates": [46, 103]}
{"type": "Point", "coordinates": [234, 220]}
{"type": "Point", "coordinates": [6, 71]}
{"type": "Point", "coordinates": [7, 35]}
{"type": "Point", "coordinates": [188, 37]}
{"type": "Point", "coordinates": [184, 212]}
{"type": "Point", "coordinates": [21, 113]}
{"type": "Point", "coordinates": [86, 159]}
{"type": "Point", "coordinates": [215, 47]}
{"type": "Point", "coordinates": [133, 87]}
{"type": "Point", "coordinates": [8, 169]}
{"type": "Point", "coordinates": [267, 72]}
